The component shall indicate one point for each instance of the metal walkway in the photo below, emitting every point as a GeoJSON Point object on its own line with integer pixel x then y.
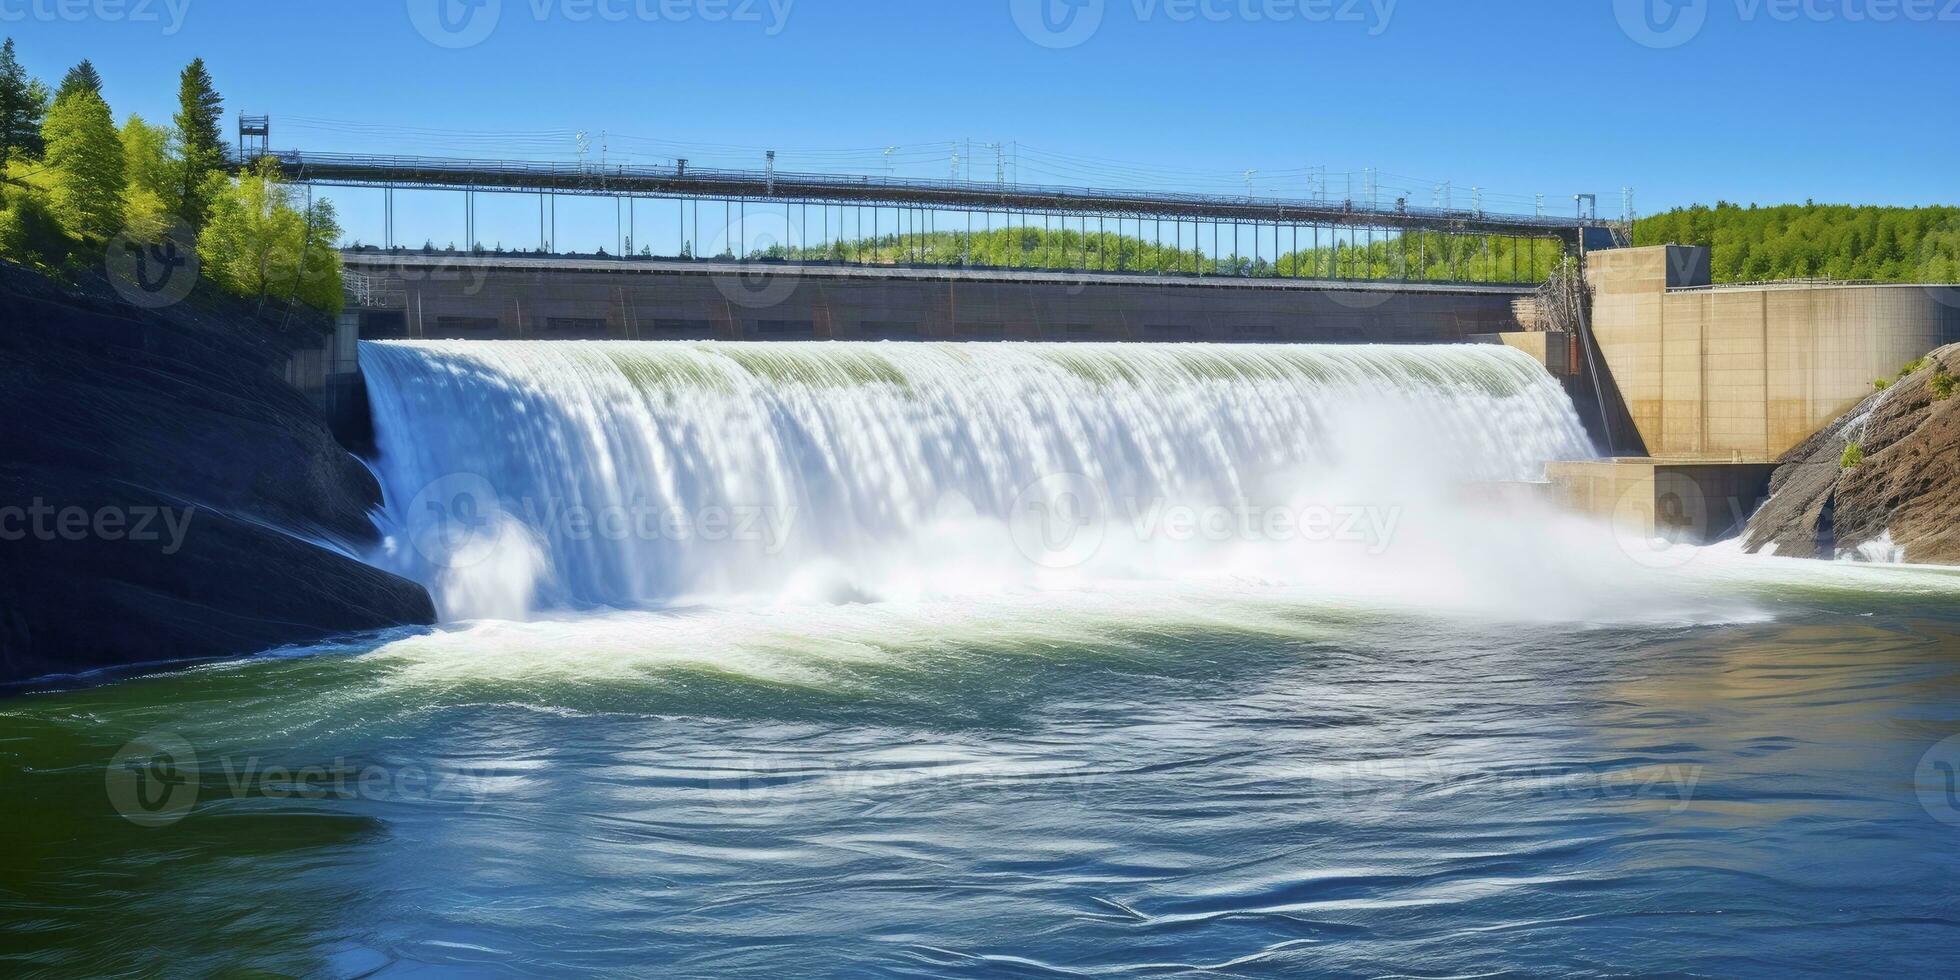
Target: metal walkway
{"type": "Point", "coordinates": [680, 181]}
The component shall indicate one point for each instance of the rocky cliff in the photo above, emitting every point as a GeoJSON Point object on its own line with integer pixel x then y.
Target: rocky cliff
{"type": "Point", "coordinates": [1896, 496]}
{"type": "Point", "coordinates": [164, 495]}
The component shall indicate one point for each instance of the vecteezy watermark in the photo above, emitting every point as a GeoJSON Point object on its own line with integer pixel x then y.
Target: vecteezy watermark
{"type": "Point", "coordinates": [153, 781]}
{"type": "Point", "coordinates": [1937, 780]}
{"type": "Point", "coordinates": [459, 520]}
{"type": "Point", "coordinates": [1656, 522]}
{"type": "Point", "coordinates": [1416, 779]}
{"type": "Point", "coordinates": [1059, 520]}
{"type": "Point", "coordinates": [169, 14]}
{"type": "Point", "coordinates": [1663, 521]}
{"type": "Point", "coordinates": [1057, 24]}
{"type": "Point", "coordinates": [468, 23]}
{"type": "Point", "coordinates": [779, 787]}
{"type": "Point", "coordinates": [758, 239]}
{"type": "Point", "coordinates": [158, 780]}
{"type": "Point", "coordinates": [455, 23]}
{"type": "Point", "coordinates": [1064, 519]}
{"type": "Point", "coordinates": [1663, 24]}
{"type": "Point", "coordinates": [142, 523]}
{"type": "Point", "coordinates": [391, 271]}
{"type": "Point", "coordinates": [1363, 524]}
{"type": "Point", "coordinates": [1061, 24]}
{"type": "Point", "coordinates": [153, 269]}
{"type": "Point", "coordinates": [454, 521]}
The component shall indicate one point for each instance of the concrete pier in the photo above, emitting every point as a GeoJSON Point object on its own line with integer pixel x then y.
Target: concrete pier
{"type": "Point", "coordinates": [1717, 382]}
{"type": "Point", "coordinates": [1694, 502]}
{"type": "Point", "coordinates": [1749, 371]}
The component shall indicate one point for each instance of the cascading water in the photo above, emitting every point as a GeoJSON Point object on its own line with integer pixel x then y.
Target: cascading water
{"type": "Point", "coordinates": [528, 475]}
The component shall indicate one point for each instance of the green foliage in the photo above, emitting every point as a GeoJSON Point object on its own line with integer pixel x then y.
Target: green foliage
{"type": "Point", "coordinates": [23, 104]}
{"type": "Point", "coordinates": [1942, 385]}
{"type": "Point", "coordinates": [1854, 454]}
{"type": "Point", "coordinates": [1413, 256]}
{"type": "Point", "coordinates": [262, 241]}
{"type": "Point", "coordinates": [85, 160]}
{"type": "Point", "coordinates": [150, 199]}
{"type": "Point", "coordinates": [1913, 365]}
{"type": "Point", "coordinates": [1880, 384]}
{"type": "Point", "coordinates": [29, 234]}
{"type": "Point", "coordinates": [146, 157]}
{"type": "Point", "coordinates": [1815, 240]}
{"type": "Point", "coordinates": [81, 78]}
{"type": "Point", "coordinates": [201, 150]}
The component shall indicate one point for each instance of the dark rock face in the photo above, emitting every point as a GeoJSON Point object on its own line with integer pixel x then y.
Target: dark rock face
{"type": "Point", "coordinates": [164, 495]}
{"type": "Point", "coordinates": [1908, 484]}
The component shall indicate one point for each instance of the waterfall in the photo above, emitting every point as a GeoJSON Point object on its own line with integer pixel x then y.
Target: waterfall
{"type": "Point", "coordinates": [570, 474]}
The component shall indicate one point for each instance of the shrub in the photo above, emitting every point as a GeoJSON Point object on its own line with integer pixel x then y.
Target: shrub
{"type": "Point", "coordinates": [1853, 455]}
{"type": "Point", "coordinates": [1913, 365]}
{"type": "Point", "coordinates": [1880, 384]}
{"type": "Point", "coordinates": [1942, 385]}
{"type": "Point", "coordinates": [29, 233]}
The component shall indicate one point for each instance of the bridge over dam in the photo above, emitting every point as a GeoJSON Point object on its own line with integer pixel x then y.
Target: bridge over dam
{"type": "Point", "coordinates": [857, 257]}
{"type": "Point", "coordinates": [859, 201]}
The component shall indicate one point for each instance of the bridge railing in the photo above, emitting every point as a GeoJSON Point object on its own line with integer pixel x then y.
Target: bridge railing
{"type": "Point", "coordinates": [679, 180]}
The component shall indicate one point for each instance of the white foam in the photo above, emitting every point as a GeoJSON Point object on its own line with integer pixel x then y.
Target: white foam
{"type": "Point", "coordinates": [857, 472]}
{"type": "Point", "coordinates": [890, 485]}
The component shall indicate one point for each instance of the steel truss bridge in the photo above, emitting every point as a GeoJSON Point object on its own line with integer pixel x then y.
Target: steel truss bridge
{"type": "Point", "coordinates": [899, 208]}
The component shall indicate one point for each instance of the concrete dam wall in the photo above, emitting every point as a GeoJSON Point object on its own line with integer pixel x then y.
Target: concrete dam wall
{"type": "Point", "coordinates": [1749, 371]}
{"type": "Point", "coordinates": [455, 296]}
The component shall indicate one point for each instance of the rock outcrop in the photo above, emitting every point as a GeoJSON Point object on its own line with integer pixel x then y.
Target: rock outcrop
{"type": "Point", "coordinates": [1901, 499]}
{"type": "Point", "coordinates": [164, 494]}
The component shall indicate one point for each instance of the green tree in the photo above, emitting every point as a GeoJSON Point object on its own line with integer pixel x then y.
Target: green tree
{"type": "Point", "coordinates": [23, 104]}
{"type": "Point", "coordinates": [261, 241]}
{"type": "Point", "coordinates": [201, 150]}
{"type": "Point", "coordinates": [85, 160]}
{"type": "Point", "coordinates": [81, 78]}
{"type": "Point", "coordinates": [152, 176]}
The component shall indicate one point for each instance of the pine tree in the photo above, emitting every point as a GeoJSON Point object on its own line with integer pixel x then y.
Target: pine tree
{"type": "Point", "coordinates": [23, 103]}
{"type": "Point", "coordinates": [202, 151]}
{"type": "Point", "coordinates": [79, 78]}
{"type": "Point", "coordinates": [85, 155]}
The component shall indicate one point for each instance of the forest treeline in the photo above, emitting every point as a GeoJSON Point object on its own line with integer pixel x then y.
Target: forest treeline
{"type": "Point", "coordinates": [1800, 241]}
{"type": "Point", "coordinates": [1415, 256]}
{"type": "Point", "coordinates": [75, 186]}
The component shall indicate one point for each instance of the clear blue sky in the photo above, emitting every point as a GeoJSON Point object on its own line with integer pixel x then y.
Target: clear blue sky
{"type": "Point", "coordinates": [1747, 100]}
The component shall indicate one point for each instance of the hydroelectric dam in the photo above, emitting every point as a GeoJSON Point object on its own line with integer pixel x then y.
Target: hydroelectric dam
{"type": "Point", "coordinates": [1688, 391]}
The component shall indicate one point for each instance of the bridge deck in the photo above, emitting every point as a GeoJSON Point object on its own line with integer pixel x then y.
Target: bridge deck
{"type": "Point", "coordinates": [950, 195]}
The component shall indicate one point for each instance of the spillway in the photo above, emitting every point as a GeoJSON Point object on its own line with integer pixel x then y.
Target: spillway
{"type": "Point", "coordinates": [578, 474]}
